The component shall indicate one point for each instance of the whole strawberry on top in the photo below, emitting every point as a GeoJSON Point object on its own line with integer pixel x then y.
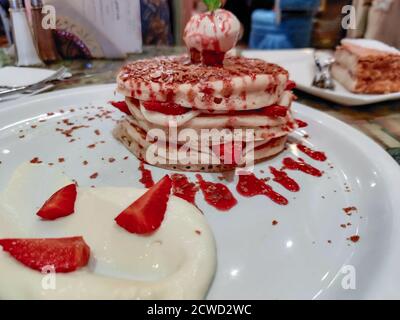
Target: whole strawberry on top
{"type": "Point", "coordinates": [210, 35]}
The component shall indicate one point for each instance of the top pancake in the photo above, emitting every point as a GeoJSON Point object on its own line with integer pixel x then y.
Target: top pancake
{"type": "Point", "coordinates": [241, 84]}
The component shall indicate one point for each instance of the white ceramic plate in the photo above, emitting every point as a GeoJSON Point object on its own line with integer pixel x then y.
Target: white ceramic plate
{"type": "Point", "coordinates": [256, 260]}
{"type": "Point", "coordinates": [300, 64]}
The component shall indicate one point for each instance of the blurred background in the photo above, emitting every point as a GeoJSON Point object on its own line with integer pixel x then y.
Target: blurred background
{"type": "Point", "coordinates": [88, 28]}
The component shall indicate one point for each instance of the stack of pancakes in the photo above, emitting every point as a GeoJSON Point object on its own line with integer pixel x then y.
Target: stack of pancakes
{"type": "Point", "coordinates": [168, 94]}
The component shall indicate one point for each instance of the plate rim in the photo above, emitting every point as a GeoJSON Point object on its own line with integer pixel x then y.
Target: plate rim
{"type": "Point", "coordinates": [389, 170]}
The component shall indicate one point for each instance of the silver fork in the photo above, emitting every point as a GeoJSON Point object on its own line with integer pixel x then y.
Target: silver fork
{"type": "Point", "coordinates": [323, 77]}
{"type": "Point", "coordinates": [55, 76]}
{"type": "Point", "coordinates": [27, 93]}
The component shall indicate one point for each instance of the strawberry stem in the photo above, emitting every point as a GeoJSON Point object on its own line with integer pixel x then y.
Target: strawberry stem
{"type": "Point", "coordinates": [213, 5]}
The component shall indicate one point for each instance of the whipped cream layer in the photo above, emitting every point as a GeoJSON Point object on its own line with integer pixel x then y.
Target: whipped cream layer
{"type": "Point", "coordinates": [178, 261]}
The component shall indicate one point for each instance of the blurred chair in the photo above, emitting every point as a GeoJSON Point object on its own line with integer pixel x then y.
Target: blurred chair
{"type": "Point", "coordinates": [288, 26]}
{"type": "Point", "coordinates": [156, 22]}
{"type": "Point", "coordinates": [5, 29]}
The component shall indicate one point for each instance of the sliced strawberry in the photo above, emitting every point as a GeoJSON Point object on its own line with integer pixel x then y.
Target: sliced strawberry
{"type": "Point", "coordinates": [135, 102]}
{"type": "Point", "coordinates": [275, 111]}
{"type": "Point", "coordinates": [64, 254]}
{"type": "Point", "coordinates": [290, 85]}
{"type": "Point", "coordinates": [60, 204]}
{"type": "Point", "coordinates": [168, 108]}
{"type": "Point", "coordinates": [121, 106]}
{"type": "Point", "coordinates": [146, 214]}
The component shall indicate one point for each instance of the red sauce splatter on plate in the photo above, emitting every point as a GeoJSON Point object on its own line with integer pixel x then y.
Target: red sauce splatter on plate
{"type": "Point", "coordinates": [183, 188]}
{"type": "Point", "coordinates": [36, 161]}
{"type": "Point", "coordinates": [217, 194]}
{"type": "Point", "coordinates": [147, 178]}
{"type": "Point", "coordinates": [354, 239]}
{"type": "Point", "coordinates": [251, 186]}
{"type": "Point", "coordinates": [350, 210]}
{"type": "Point", "coordinates": [284, 180]}
{"type": "Point", "coordinates": [315, 155]}
{"type": "Point", "coordinates": [301, 123]}
{"type": "Point", "coordinates": [300, 165]}
{"type": "Point", "coordinates": [94, 176]}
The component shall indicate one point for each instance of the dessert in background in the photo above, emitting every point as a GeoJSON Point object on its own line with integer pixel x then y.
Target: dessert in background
{"type": "Point", "coordinates": [206, 90]}
{"type": "Point", "coordinates": [367, 66]}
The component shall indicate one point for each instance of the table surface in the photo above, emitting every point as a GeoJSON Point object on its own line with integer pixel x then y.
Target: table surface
{"type": "Point", "coordinates": [380, 121]}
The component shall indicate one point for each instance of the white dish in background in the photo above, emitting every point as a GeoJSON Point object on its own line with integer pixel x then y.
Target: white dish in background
{"type": "Point", "coordinates": [256, 260]}
{"type": "Point", "coordinates": [300, 64]}
{"type": "Point", "coordinates": [21, 76]}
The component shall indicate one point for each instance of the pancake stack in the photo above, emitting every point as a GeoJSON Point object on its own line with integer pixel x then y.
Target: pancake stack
{"type": "Point", "coordinates": [242, 94]}
{"type": "Point", "coordinates": [206, 111]}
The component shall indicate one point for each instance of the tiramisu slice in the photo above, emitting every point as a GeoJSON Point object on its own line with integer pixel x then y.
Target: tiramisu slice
{"type": "Point", "coordinates": [367, 66]}
{"type": "Point", "coordinates": [205, 111]}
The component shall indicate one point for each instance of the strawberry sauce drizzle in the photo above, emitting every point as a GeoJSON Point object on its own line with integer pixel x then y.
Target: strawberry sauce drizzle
{"type": "Point", "coordinates": [147, 178]}
{"type": "Point", "coordinates": [217, 194]}
{"type": "Point", "coordinates": [284, 180]}
{"type": "Point", "coordinates": [316, 155]}
{"type": "Point", "coordinates": [250, 186]}
{"type": "Point", "coordinates": [183, 188]}
{"type": "Point", "coordinates": [300, 165]}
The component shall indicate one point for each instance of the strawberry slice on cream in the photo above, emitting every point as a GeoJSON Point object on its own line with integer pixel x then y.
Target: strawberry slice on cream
{"type": "Point", "coordinates": [61, 204]}
{"type": "Point", "coordinates": [146, 214]}
{"type": "Point", "coordinates": [64, 254]}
